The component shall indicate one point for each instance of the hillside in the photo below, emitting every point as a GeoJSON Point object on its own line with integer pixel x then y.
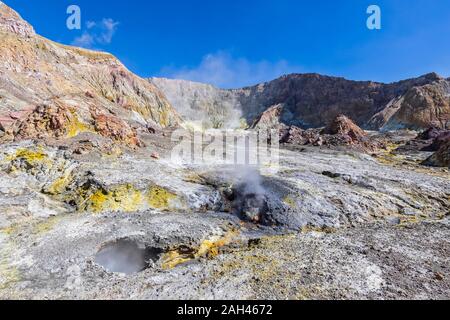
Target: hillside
{"type": "Point", "coordinates": [52, 90]}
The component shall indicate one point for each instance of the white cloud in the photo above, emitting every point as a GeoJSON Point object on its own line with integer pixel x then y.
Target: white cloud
{"type": "Point", "coordinates": [225, 71]}
{"type": "Point", "coordinates": [109, 27]}
{"type": "Point", "coordinates": [91, 24]}
{"type": "Point", "coordinates": [85, 40]}
{"type": "Point", "coordinates": [97, 33]}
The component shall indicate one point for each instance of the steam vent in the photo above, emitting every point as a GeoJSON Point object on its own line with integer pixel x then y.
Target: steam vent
{"type": "Point", "coordinates": [96, 202]}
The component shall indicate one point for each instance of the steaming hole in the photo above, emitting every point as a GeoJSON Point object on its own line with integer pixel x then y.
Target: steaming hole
{"type": "Point", "coordinates": [248, 203]}
{"type": "Point", "coordinates": [126, 256]}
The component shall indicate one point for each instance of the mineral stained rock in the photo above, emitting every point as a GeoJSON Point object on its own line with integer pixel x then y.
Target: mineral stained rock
{"type": "Point", "coordinates": [341, 132]}
{"type": "Point", "coordinates": [344, 126]}
{"type": "Point", "coordinates": [269, 119]}
{"type": "Point", "coordinates": [93, 207]}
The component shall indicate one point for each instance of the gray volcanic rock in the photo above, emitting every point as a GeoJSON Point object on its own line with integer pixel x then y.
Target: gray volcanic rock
{"type": "Point", "coordinates": [442, 157]}
{"type": "Point", "coordinates": [333, 225]}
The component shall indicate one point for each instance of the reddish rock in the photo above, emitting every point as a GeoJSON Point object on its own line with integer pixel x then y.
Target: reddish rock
{"type": "Point", "coordinates": [3, 122]}
{"type": "Point", "coordinates": [430, 140]}
{"type": "Point", "coordinates": [295, 135]}
{"type": "Point", "coordinates": [313, 101]}
{"type": "Point", "coordinates": [343, 126]}
{"type": "Point", "coordinates": [155, 155]}
{"type": "Point", "coordinates": [424, 106]}
{"type": "Point", "coordinates": [116, 129]}
{"type": "Point", "coordinates": [269, 119]}
{"type": "Point", "coordinates": [57, 120]}
{"type": "Point", "coordinates": [318, 142]}
{"type": "Point", "coordinates": [63, 83]}
{"type": "Point", "coordinates": [44, 121]}
{"type": "Point", "coordinates": [341, 132]}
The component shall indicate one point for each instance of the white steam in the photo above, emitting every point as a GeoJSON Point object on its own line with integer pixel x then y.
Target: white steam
{"type": "Point", "coordinates": [123, 257]}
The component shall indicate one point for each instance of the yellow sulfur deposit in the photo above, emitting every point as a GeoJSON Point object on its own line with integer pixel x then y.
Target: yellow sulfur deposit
{"type": "Point", "coordinates": [119, 198]}
{"type": "Point", "coordinates": [123, 198]}
{"type": "Point", "coordinates": [30, 156]}
{"type": "Point", "coordinates": [211, 247]}
{"type": "Point", "coordinates": [159, 198]}
{"type": "Point", "coordinates": [208, 247]}
{"type": "Point", "coordinates": [58, 186]}
{"type": "Point", "coordinates": [174, 258]}
{"type": "Point", "coordinates": [8, 273]}
{"type": "Point", "coordinates": [76, 127]}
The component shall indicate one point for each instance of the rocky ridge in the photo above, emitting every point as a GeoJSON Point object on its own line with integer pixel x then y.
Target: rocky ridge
{"type": "Point", "coordinates": [313, 100]}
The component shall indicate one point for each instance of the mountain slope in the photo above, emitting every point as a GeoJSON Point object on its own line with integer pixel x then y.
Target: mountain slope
{"type": "Point", "coordinates": [42, 81]}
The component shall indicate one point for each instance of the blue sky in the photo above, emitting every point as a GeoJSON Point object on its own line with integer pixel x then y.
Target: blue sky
{"type": "Point", "coordinates": [234, 43]}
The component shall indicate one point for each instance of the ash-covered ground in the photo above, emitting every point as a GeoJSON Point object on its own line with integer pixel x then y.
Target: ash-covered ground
{"type": "Point", "coordinates": [84, 219]}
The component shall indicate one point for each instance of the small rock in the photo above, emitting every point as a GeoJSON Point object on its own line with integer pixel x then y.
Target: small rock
{"type": "Point", "coordinates": [439, 277]}
{"type": "Point", "coordinates": [395, 221]}
{"type": "Point", "coordinates": [155, 155]}
{"type": "Point", "coordinates": [331, 174]}
{"type": "Point", "coordinates": [409, 212]}
{"type": "Point", "coordinates": [151, 129]}
{"type": "Point", "coordinates": [319, 142]}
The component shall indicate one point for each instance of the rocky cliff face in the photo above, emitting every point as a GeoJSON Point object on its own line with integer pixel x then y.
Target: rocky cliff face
{"type": "Point", "coordinates": [312, 101]}
{"type": "Point", "coordinates": [60, 91]}
{"type": "Point", "coordinates": [420, 107]}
